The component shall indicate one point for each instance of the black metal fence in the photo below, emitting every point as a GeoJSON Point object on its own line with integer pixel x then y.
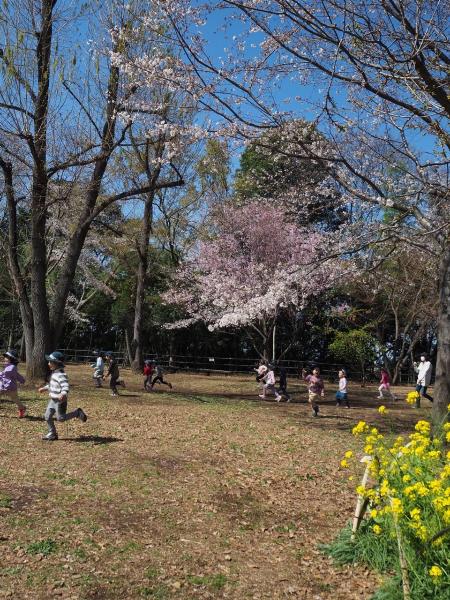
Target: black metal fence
{"type": "Point", "coordinates": [230, 365]}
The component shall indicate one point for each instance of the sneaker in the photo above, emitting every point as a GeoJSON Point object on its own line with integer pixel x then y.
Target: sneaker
{"type": "Point", "coordinates": [50, 437]}
{"type": "Point", "coordinates": [114, 394]}
{"type": "Point", "coordinates": [170, 386]}
{"type": "Point", "coordinates": [348, 406]}
{"type": "Point", "coordinates": [82, 415]}
{"type": "Point", "coordinates": [278, 398]}
{"type": "Point", "coordinates": [316, 411]}
{"type": "Point", "coordinates": [261, 396]}
{"type": "Point", "coordinates": [337, 404]}
{"type": "Point", "coordinates": [22, 412]}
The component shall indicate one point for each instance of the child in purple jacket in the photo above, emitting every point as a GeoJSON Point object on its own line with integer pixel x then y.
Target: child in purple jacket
{"type": "Point", "coordinates": [316, 388]}
{"type": "Point", "coordinates": [9, 378]}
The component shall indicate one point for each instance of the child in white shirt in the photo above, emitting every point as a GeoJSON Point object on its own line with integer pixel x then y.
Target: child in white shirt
{"type": "Point", "coordinates": [341, 394]}
{"type": "Point", "coordinates": [269, 384]}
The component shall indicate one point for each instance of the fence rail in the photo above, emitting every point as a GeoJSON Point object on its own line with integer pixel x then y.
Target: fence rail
{"type": "Point", "coordinates": [219, 364]}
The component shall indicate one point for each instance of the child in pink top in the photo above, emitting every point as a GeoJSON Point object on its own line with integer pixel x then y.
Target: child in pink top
{"type": "Point", "coordinates": [9, 378]}
{"type": "Point", "coordinates": [385, 386]}
{"type": "Point", "coordinates": [316, 388]}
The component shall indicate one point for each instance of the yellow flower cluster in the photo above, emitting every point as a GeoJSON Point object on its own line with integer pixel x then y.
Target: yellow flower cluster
{"type": "Point", "coordinates": [412, 397]}
{"type": "Point", "coordinates": [435, 571]}
{"type": "Point", "coordinates": [361, 428]}
{"type": "Point", "coordinates": [410, 489]}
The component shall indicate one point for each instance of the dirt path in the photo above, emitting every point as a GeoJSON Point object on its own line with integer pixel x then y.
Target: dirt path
{"type": "Point", "coordinates": [185, 494]}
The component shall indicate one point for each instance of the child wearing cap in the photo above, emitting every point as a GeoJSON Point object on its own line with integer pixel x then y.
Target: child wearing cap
{"type": "Point", "coordinates": [9, 378]}
{"type": "Point", "coordinates": [58, 389]}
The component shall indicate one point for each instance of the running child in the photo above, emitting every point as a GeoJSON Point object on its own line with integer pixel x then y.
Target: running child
{"type": "Point", "coordinates": [159, 376]}
{"type": "Point", "coordinates": [99, 369]}
{"type": "Point", "coordinates": [269, 384]}
{"type": "Point", "coordinates": [385, 386]}
{"type": "Point", "coordinates": [341, 394]}
{"type": "Point", "coordinates": [148, 371]}
{"type": "Point", "coordinates": [316, 388]}
{"type": "Point", "coordinates": [9, 378]}
{"type": "Point", "coordinates": [282, 386]}
{"type": "Point", "coordinates": [261, 370]}
{"type": "Point", "coordinates": [114, 374]}
{"type": "Point", "coordinates": [58, 389]}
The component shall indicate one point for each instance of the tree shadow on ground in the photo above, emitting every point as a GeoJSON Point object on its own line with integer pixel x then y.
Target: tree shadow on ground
{"type": "Point", "coordinates": [95, 439]}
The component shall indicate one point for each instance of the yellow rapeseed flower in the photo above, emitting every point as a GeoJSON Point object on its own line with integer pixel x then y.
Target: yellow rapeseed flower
{"type": "Point", "coordinates": [412, 397]}
{"type": "Point", "coordinates": [382, 410]}
{"type": "Point", "coordinates": [376, 529]}
{"type": "Point", "coordinates": [348, 454]}
{"type": "Point", "coordinates": [344, 463]}
{"type": "Point", "coordinates": [396, 506]}
{"type": "Point", "coordinates": [360, 428]}
{"type": "Point", "coordinates": [435, 571]}
{"type": "Point", "coordinates": [423, 427]}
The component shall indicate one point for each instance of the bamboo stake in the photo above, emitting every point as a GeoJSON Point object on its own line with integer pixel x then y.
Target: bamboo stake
{"type": "Point", "coordinates": [402, 558]}
{"type": "Point", "coordinates": [361, 503]}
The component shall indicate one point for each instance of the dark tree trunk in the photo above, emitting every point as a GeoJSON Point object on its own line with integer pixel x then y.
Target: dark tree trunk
{"type": "Point", "coordinates": [36, 365]}
{"type": "Point", "coordinates": [137, 343]}
{"type": "Point", "coordinates": [78, 238]}
{"type": "Point", "coordinates": [442, 385]}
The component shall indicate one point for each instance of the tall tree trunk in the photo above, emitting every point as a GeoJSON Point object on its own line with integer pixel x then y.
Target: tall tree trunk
{"type": "Point", "coordinates": [442, 386]}
{"type": "Point", "coordinates": [21, 291]}
{"type": "Point", "coordinates": [78, 238]}
{"type": "Point", "coordinates": [137, 342]}
{"type": "Point", "coordinates": [36, 365]}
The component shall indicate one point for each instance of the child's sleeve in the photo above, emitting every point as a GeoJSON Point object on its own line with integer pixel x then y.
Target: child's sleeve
{"type": "Point", "coordinates": [64, 383]}
{"type": "Point", "coordinates": [20, 378]}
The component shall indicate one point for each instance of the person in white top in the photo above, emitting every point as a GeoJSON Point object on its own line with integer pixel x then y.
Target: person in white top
{"type": "Point", "coordinates": [99, 369]}
{"type": "Point", "coordinates": [424, 370]}
{"type": "Point", "coordinates": [341, 394]}
{"type": "Point", "coordinates": [269, 384]}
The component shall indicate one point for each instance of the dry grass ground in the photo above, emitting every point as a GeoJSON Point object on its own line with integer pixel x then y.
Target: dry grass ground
{"type": "Point", "coordinates": [200, 492]}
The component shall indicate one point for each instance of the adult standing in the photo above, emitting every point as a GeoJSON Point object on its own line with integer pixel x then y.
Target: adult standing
{"type": "Point", "coordinates": [424, 370]}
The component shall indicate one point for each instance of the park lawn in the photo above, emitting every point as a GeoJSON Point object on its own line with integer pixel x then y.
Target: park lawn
{"type": "Point", "coordinates": [200, 492]}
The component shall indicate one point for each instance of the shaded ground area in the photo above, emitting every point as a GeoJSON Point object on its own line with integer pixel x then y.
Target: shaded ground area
{"type": "Point", "coordinates": [201, 492]}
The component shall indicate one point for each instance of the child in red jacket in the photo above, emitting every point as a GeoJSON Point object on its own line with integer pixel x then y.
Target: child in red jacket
{"type": "Point", "coordinates": [148, 371]}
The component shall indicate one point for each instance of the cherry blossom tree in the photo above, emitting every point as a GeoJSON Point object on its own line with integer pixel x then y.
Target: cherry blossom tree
{"type": "Point", "coordinates": [255, 265]}
{"type": "Point", "coordinates": [374, 76]}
